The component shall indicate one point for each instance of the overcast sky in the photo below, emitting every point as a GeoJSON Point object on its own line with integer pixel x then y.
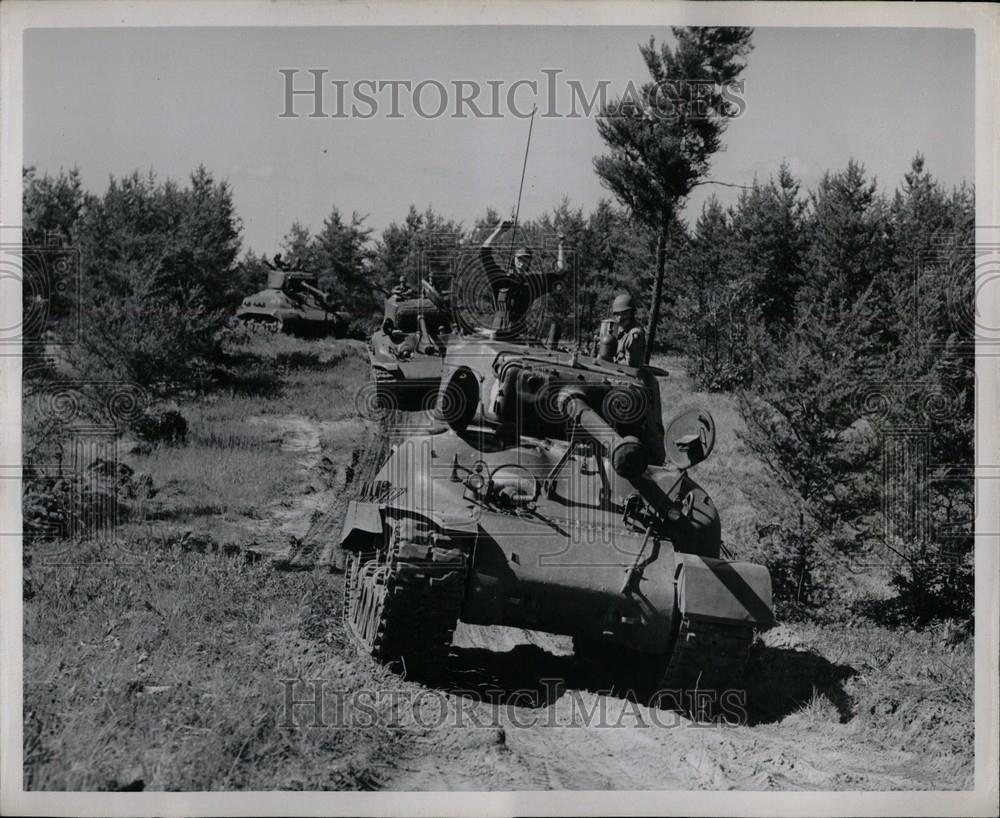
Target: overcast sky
{"type": "Point", "coordinates": [114, 100]}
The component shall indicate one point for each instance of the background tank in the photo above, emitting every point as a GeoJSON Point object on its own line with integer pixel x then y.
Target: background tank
{"type": "Point", "coordinates": [550, 497]}
{"type": "Point", "coordinates": [292, 302]}
{"type": "Point", "coordinates": [407, 351]}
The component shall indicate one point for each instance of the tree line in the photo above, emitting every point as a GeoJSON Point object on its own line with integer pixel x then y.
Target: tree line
{"type": "Point", "coordinates": [842, 318]}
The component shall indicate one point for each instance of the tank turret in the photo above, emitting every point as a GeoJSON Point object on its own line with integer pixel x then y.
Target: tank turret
{"type": "Point", "coordinates": [292, 302]}
{"type": "Point", "coordinates": [407, 351]}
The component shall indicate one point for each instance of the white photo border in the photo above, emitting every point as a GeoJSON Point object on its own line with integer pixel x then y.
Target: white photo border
{"type": "Point", "coordinates": [16, 16]}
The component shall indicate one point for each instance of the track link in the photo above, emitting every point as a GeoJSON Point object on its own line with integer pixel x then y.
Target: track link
{"type": "Point", "coordinates": [402, 605]}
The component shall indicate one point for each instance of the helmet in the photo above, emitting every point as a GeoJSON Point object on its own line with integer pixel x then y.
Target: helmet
{"type": "Point", "coordinates": [622, 302]}
{"type": "Point", "coordinates": [523, 252]}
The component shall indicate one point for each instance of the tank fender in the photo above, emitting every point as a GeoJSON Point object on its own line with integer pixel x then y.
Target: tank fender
{"type": "Point", "coordinates": [724, 591]}
{"type": "Point", "coordinates": [363, 528]}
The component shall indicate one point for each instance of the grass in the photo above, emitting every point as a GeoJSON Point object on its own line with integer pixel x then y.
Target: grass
{"type": "Point", "coordinates": [232, 465]}
{"type": "Point", "coordinates": [148, 667]}
{"type": "Point", "coordinates": [228, 469]}
{"type": "Point", "coordinates": [320, 378]}
{"type": "Point", "coordinates": [169, 674]}
{"type": "Point", "coordinates": [904, 692]}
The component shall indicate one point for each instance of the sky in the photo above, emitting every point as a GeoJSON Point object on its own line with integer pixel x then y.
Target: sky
{"type": "Point", "coordinates": [111, 101]}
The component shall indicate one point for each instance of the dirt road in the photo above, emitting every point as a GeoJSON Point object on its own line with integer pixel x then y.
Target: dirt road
{"type": "Point", "coordinates": [521, 716]}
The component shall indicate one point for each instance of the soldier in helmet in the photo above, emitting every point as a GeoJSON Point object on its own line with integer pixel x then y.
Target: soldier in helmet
{"type": "Point", "coordinates": [515, 288]}
{"type": "Point", "coordinates": [402, 290]}
{"type": "Point", "coordinates": [631, 337]}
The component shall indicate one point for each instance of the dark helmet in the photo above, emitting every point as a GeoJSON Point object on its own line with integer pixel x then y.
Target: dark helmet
{"type": "Point", "coordinates": [524, 252]}
{"type": "Point", "coordinates": [622, 303]}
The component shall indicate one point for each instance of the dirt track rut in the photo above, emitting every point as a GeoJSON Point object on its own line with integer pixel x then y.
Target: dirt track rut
{"type": "Point", "coordinates": [587, 740]}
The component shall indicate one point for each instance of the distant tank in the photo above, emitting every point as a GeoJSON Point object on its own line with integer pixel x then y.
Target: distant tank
{"type": "Point", "coordinates": [293, 303]}
{"type": "Point", "coordinates": [549, 496]}
{"type": "Point", "coordinates": [407, 351]}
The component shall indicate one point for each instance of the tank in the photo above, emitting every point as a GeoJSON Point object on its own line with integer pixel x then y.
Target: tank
{"type": "Point", "coordinates": [547, 494]}
{"type": "Point", "coordinates": [293, 303]}
{"type": "Point", "coordinates": [407, 351]}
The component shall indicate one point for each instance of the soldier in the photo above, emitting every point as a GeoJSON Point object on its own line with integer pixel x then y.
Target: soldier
{"type": "Point", "coordinates": [515, 288]}
{"type": "Point", "coordinates": [402, 290]}
{"type": "Point", "coordinates": [631, 337]}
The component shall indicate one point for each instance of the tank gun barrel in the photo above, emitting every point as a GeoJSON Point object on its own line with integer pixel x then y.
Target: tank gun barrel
{"type": "Point", "coordinates": [628, 456]}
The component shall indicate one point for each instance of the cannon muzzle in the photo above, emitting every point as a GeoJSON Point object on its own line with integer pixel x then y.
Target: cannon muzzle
{"type": "Point", "coordinates": [628, 456]}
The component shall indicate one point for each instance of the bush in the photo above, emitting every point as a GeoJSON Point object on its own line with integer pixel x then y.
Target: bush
{"type": "Point", "coordinates": [930, 590]}
{"type": "Point", "coordinates": [792, 558]}
{"type": "Point", "coordinates": [863, 407]}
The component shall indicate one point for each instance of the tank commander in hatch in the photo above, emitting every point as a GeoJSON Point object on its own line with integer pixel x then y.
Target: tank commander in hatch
{"type": "Point", "coordinates": [631, 337]}
{"type": "Point", "coordinates": [402, 290]}
{"type": "Point", "coordinates": [516, 287]}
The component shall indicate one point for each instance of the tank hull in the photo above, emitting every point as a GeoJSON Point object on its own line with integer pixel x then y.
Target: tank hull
{"type": "Point", "coordinates": [408, 383]}
{"type": "Point", "coordinates": [559, 565]}
{"type": "Point", "coordinates": [407, 353]}
{"type": "Point", "coordinates": [540, 498]}
{"type": "Point", "coordinates": [299, 316]}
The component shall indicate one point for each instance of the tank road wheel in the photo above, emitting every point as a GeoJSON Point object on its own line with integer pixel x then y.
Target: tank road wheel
{"type": "Point", "coordinates": [707, 660]}
{"type": "Point", "coordinates": [402, 606]}
{"type": "Point", "coordinates": [262, 326]}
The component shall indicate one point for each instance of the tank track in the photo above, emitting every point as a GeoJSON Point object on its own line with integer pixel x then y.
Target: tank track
{"type": "Point", "coordinates": [402, 606]}
{"type": "Point", "coordinates": [707, 657]}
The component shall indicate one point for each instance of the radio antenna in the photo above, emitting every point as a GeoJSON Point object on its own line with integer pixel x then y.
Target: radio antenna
{"type": "Point", "coordinates": [520, 190]}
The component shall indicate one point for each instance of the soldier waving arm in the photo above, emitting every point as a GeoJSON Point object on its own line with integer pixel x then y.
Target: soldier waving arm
{"type": "Point", "coordinates": [494, 271]}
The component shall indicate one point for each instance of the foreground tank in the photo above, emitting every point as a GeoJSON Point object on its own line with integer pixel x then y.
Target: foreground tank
{"type": "Point", "coordinates": [549, 496]}
{"type": "Point", "coordinates": [293, 303]}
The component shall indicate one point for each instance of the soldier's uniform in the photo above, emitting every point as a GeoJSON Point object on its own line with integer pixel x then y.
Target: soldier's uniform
{"type": "Point", "coordinates": [402, 291]}
{"type": "Point", "coordinates": [513, 284]}
{"type": "Point", "coordinates": [631, 347]}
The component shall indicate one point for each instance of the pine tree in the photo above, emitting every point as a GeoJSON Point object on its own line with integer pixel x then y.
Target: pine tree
{"type": "Point", "coordinates": [878, 348]}
{"type": "Point", "coordinates": [158, 264]}
{"type": "Point", "coordinates": [768, 228]}
{"type": "Point", "coordinates": [849, 238]}
{"type": "Point", "coordinates": [661, 141]}
{"type": "Point", "coordinates": [298, 249]}
{"type": "Point", "coordinates": [341, 256]}
{"type": "Point", "coordinates": [52, 205]}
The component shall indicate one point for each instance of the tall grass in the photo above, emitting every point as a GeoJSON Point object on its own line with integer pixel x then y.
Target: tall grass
{"type": "Point", "coordinates": [167, 673]}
